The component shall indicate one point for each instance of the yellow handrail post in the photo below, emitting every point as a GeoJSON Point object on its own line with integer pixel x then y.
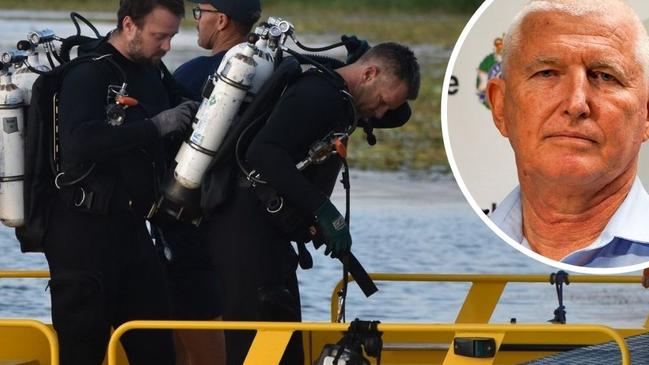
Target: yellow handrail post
{"type": "Point", "coordinates": [41, 327]}
{"type": "Point", "coordinates": [480, 302]}
{"type": "Point", "coordinates": [268, 347]}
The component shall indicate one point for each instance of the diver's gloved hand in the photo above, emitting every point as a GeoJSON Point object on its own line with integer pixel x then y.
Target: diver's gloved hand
{"type": "Point", "coordinates": [176, 119]}
{"type": "Point", "coordinates": [334, 229]}
{"type": "Point", "coordinates": [355, 47]}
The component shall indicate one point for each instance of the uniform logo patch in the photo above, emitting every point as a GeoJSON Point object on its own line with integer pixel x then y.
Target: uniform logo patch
{"type": "Point", "coordinates": [489, 68]}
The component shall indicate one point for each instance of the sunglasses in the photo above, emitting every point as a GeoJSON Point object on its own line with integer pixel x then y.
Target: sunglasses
{"type": "Point", "coordinates": [197, 12]}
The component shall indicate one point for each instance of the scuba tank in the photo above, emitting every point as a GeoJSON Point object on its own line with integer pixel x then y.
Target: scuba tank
{"type": "Point", "coordinates": [41, 164]}
{"type": "Point", "coordinates": [15, 97]}
{"type": "Point", "coordinates": [12, 157]}
{"type": "Point", "coordinates": [213, 119]}
{"type": "Point", "coordinates": [242, 72]}
{"type": "Point", "coordinates": [24, 76]}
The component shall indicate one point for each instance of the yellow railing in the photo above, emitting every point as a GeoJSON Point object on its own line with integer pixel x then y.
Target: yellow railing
{"type": "Point", "coordinates": [272, 337]}
{"type": "Point", "coordinates": [28, 349]}
{"type": "Point", "coordinates": [485, 292]}
{"type": "Point", "coordinates": [27, 274]}
{"type": "Point", "coordinates": [26, 340]}
{"type": "Point", "coordinates": [478, 306]}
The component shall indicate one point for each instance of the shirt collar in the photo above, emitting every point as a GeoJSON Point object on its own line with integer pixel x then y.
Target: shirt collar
{"type": "Point", "coordinates": [508, 215]}
{"type": "Point", "coordinates": [628, 222]}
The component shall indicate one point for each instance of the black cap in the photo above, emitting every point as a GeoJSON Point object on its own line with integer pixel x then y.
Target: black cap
{"type": "Point", "coordinates": [239, 10]}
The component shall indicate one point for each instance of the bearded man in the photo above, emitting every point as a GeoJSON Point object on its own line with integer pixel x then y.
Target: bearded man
{"type": "Point", "coordinates": [104, 267]}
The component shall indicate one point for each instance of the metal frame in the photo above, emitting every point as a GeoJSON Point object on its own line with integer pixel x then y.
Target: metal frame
{"type": "Point", "coordinates": [479, 304]}
{"type": "Point", "coordinates": [486, 289]}
{"type": "Point", "coordinates": [272, 337]}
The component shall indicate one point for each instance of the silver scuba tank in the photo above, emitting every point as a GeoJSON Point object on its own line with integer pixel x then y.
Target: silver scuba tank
{"type": "Point", "coordinates": [245, 68]}
{"type": "Point", "coordinates": [242, 72]}
{"type": "Point", "coordinates": [12, 154]}
{"type": "Point", "coordinates": [240, 75]}
{"type": "Point", "coordinates": [24, 78]}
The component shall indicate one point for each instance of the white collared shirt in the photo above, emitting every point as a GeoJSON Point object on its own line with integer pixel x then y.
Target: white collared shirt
{"type": "Point", "coordinates": [624, 241]}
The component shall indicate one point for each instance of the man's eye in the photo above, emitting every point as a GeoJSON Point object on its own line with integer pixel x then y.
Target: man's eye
{"type": "Point", "coordinates": [603, 77]}
{"type": "Point", "coordinates": [545, 73]}
{"type": "Point", "coordinates": [606, 77]}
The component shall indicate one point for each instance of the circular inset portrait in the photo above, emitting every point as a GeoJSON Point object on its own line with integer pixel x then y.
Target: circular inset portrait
{"type": "Point", "coordinates": [545, 118]}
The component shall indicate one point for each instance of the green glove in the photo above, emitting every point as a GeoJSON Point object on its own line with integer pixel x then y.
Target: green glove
{"type": "Point", "coordinates": [334, 229]}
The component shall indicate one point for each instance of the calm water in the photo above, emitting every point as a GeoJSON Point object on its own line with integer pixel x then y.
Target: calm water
{"type": "Point", "coordinates": [400, 223]}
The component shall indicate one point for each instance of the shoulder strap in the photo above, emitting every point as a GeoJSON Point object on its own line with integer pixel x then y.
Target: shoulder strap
{"type": "Point", "coordinates": [339, 83]}
{"type": "Point", "coordinates": [106, 61]}
{"type": "Point", "coordinates": [170, 84]}
{"type": "Point", "coordinates": [325, 67]}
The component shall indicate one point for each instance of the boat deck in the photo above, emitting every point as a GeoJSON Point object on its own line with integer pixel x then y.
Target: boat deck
{"type": "Point", "coordinates": [606, 353]}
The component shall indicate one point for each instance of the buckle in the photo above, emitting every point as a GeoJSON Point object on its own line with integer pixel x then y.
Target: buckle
{"type": "Point", "coordinates": [275, 204]}
{"type": "Point", "coordinates": [78, 202]}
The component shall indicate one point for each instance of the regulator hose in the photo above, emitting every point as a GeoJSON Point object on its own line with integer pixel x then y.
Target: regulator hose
{"type": "Point", "coordinates": [321, 49]}
{"type": "Point", "coordinates": [71, 42]}
{"type": "Point", "coordinates": [327, 61]}
{"type": "Point", "coordinates": [74, 16]}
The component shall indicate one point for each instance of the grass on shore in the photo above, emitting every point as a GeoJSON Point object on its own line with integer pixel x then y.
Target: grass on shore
{"type": "Point", "coordinates": [418, 21]}
{"type": "Point", "coordinates": [450, 6]}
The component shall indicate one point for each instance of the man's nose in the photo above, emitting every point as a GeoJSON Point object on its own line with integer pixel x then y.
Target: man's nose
{"type": "Point", "coordinates": [577, 100]}
{"type": "Point", "coordinates": [166, 45]}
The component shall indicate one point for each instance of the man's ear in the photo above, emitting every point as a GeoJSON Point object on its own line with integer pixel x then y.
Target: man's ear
{"type": "Point", "coordinates": [645, 135]}
{"type": "Point", "coordinates": [222, 21]}
{"type": "Point", "coordinates": [369, 73]}
{"type": "Point", "coordinates": [496, 97]}
{"type": "Point", "coordinates": [129, 27]}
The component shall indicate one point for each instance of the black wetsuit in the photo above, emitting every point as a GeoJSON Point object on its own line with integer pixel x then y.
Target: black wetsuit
{"type": "Point", "coordinates": [104, 267]}
{"type": "Point", "coordinates": [192, 275]}
{"type": "Point", "coordinates": [255, 259]}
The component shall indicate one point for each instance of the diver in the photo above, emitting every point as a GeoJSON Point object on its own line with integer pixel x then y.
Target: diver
{"type": "Point", "coordinates": [104, 267]}
{"type": "Point", "coordinates": [193, 279]}
{"type": "Point", "coordinates": [254, 256]}
{"type": "Point", "coordinates": [221, 24]}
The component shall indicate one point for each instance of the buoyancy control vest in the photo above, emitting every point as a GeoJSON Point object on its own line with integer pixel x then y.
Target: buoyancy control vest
{"type": "Point", "coordinates": [42, 163]}
{"type": "Point", "coordinates": [44, 175]}
{"type": "Point", "coordinates": [291, 221]}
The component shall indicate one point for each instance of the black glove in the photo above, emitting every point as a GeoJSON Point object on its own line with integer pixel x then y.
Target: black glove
{"type": "Point", "coordinates": [334, 229]}
{"type": "Point", "coordinates": [355, 48]}
{"type": "Point", "coordinates": [176, 119]}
